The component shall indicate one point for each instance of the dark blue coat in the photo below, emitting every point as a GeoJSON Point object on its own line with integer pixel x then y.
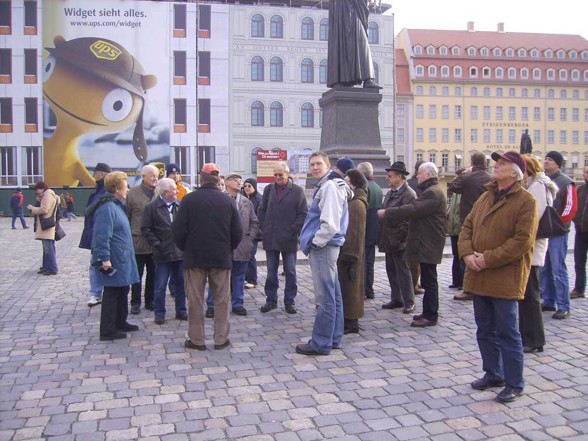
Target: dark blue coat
{"type": "Point", "coordinates": [112, 241]}
{"type": "Point", "coordinates": [86, 239]}
{"type": "Point", "coordinates": [207, 228]}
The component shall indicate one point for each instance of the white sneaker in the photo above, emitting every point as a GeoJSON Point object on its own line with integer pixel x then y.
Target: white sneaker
{"type": "Point", "coordinates": [249, 285]}
{"type": "Point", "coordinates": [94, 301]}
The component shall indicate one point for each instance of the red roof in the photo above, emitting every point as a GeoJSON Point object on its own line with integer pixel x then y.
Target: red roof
{"type": "Point", "coordinates": [402, 74]}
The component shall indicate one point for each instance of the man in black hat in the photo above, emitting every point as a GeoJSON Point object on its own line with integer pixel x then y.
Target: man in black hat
{"type": "Point", "coordinates": [553, 276]}
{"type": "Point", "coordinates": [392, 240]}
{"type": "Point", "coordinates": [16, 202]}
{"type": "Point", "coordinates": [100, 172]}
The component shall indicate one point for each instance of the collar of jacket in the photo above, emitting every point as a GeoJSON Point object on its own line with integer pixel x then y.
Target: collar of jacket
{"type": "Point", "coordinates": [428, 183]}
{"type": "Point", "coordinates": [493, 185]}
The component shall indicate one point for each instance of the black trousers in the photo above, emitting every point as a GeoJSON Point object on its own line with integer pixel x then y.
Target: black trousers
{"type": "Point", "coordinates": [115, 309]}
{"type": "Point", "coordinates": [370, 260]}
{"type": "Point", "coordinates": [144, 261]}
{"type": "Point", "coordinates": [530, 315]}
{"type": "Point", "coordinates": [580, 253]}
{"type": "Point", "coordinates": [431, 297]}
{"type": "Point", "coordinates": [457, 269]}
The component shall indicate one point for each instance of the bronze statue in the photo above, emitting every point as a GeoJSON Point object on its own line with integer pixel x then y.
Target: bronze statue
{"type": "Point", "coordinates": [350, 60]}
{"type": "Point", "coordinates": [526, 144]}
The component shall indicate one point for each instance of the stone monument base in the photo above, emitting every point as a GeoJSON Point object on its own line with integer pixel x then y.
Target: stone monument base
{"type": "Point", "coordinates": [351, 128]}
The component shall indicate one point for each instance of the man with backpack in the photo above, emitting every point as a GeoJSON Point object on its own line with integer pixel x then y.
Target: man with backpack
{"type": "Point", "coordinates": [16, 202]}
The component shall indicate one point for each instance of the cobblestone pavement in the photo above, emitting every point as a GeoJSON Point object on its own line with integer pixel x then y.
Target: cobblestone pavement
{"type": "Point", "coordinates": [391, 382]}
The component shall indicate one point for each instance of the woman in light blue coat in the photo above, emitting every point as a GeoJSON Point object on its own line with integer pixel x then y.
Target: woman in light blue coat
{"type": "Point", "coordinates": [113, 258]}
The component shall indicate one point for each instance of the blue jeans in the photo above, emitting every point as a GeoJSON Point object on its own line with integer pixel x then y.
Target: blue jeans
{"type": "Point", "coordinates": [272, 283]}
{"type": "Point", "coordinates": [251, 275]}
{"type": "Point", "coordinates": [18, 214]}
{"type": "Point", "coordinates": [553, 277]}
{"type": "Point", "coordinates": [49, 256]}
{"type": "Point", "coordinates": [328, 322]}
{"type": "Point", "coordinates": [95, 289]}
{"type": "Point", "coordinates": [499, 340]}
{"type": "Point", "coordinates": [237, 286]}
{"type": "Point", "coordinates": [163, 272]}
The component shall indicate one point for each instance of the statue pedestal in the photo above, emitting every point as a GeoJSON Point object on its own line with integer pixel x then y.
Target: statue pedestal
{"type": "Point", "coordinates": [351, 127]}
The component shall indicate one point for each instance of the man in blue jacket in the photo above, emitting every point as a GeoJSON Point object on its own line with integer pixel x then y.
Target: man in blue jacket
{"type": "Point", "coordinates": [321, 237]}
{"type": "Point", "coordinates": [100, 172]}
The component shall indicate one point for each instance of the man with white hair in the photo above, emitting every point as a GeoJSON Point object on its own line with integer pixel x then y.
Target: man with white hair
{"type": "Point", "coordinates": [168, 259]}
{"type": "Point", "coordinates": [496, 244]}
{"type": "Point", "coordinates": [426, 237]}
{"type": "Point", "coordinates": [137, 199]}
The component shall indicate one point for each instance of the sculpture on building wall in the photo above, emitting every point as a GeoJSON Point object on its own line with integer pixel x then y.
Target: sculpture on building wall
{"type": "Point", "coordinates": [350, 59]}
{"type": "Point", "coordinates": [526, 144]}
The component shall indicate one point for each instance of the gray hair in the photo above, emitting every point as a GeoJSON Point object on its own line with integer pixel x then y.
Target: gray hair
{"type": "Point", "coordinates": [366, 168]}
{"type": "Point", "coordinates": [283, 165]}
{"type": "Point", "coordinates": [518, 172]}
{"type": "Point", "coordinates": [165, 184]}
{"type": "Point", "coordinates": [148, 169]}
{"type": "Point", "coordinates": [431, 168]}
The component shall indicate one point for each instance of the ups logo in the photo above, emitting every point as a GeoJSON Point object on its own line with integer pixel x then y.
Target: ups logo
{"type": "Point", "coordinates": [105, 51]}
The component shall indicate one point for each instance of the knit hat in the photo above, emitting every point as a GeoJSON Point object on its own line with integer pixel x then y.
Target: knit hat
{"type": "Point", "coordinates": [357, 179]}
{"type": "Point", "coordinates": [511, 156]}
{"type": "Point", "coordinates": [344, 164]}
{"type": "Point", "coordinates": [101, 166]}
{"type": "Point", "coordinates": [172, 168]}
{"type": "Point", "coordinates": [556, 156]}
{"type": "Point", "coordinates": [251, 181]}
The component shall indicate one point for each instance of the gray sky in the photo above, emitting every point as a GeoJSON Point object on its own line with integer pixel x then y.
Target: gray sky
{"type": "Point", "coordinates": [541, 16]}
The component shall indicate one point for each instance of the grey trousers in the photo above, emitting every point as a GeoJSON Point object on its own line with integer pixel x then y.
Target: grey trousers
{"type": "Point", "coordinates": [400, 278]}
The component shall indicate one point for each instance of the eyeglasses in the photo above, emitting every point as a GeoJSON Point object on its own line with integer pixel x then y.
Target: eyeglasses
{"type": "Point", "coordinates": [248, 186]}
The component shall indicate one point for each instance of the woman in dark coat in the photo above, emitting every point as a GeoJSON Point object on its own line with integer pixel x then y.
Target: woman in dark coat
{"type": "Point", "coordinates": [350, 264]}
{"type": "Point", "coordinates": [250, 191]}
{"type": "Point", "coordinates": [113, 258]}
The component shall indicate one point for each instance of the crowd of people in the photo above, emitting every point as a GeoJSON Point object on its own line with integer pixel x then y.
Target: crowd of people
{"type": "Point", "coordinates": [181, 240]}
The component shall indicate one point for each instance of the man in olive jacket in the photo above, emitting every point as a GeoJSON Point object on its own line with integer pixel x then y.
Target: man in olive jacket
{"type": "Point", "coordinates": [426, 237]}
{"type": "Point", "coordinates": [496, 243]}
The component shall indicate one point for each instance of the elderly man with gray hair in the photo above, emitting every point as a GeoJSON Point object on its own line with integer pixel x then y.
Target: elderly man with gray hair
{"type": "Point", "coordinates": [426, 237]}
{"type": "Point", "coordinates": [496, 244]}
{"type": "Point", "coordinates": [167, 257]}
{"type": "Point", "coordinates": [137, 199]}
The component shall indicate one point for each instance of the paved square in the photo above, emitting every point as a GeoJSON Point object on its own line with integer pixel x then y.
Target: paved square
{"type": "Point", "coordinates": [390, 382]}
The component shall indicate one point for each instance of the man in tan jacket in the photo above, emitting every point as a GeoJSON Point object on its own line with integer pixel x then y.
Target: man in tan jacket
{"type": "Point", "coordinates": [496, 243]}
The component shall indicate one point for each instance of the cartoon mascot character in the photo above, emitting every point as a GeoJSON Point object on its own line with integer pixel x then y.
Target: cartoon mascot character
{"type": "Point", "coordinates": [93, 85]}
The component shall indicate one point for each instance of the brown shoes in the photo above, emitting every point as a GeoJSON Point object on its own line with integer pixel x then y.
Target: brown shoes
{"type": "Point", "coordinates": [575, 294]}
{"type": "Point", "coordinates": [393, 305]}
{"type": "Point", "coordinates": [222, 346]}
{"type": "Point", "coordinates": [423, 323]}
{"type": "Point", "coordinates": [463, 296]}
{"type": "Point", "coordinates": [408, 309]}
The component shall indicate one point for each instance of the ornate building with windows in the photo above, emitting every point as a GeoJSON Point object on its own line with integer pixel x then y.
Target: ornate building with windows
{"type": "Point", "coordinates": [466, 91]}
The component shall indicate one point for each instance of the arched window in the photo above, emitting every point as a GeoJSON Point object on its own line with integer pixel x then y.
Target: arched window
{"type": "Point", "coordinates": [257, 26]}
{"type": "Point", "coordinates": [276, 69]}
{"type": "Point", "coordinates": [257, 68]}
{"type": "Point", "coordinates": [257, 110]}
{"type": "Point", "coordinates": [276, 114]}
{"type": "Point", "coordinates": [307, 71]}
{"type": "Point", "coordinates": [307, 30]}
{"type": "Point", "coordinates": [254, 159]}
{"type": "Point", "coordinates": [323, 69]}
{"type": "Point", "coordinates": [277, 27]}
{"type": "Point", "coordinates": [324, 29]}
{"type": "Point", "coordinates": [376, 73]}
{"type": "Point", "coordinates": [307, 115]}
{"type": "Point", "coordinates": [373, 33]}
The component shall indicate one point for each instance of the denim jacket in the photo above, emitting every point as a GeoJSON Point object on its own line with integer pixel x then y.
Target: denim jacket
{"type": "Point", "coordinates": [327, 219]}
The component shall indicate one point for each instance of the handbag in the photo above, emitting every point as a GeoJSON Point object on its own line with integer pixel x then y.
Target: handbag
{"type": "Point", "coordinates": [48, 222]}
{"type": "Point", "coordinates": [59, 232]}
{"type": "Point", "coordinates": [550, 224]}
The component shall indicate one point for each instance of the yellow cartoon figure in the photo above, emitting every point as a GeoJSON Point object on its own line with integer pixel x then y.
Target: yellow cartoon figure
{"type": "Point", "coordinates": [93, 85]}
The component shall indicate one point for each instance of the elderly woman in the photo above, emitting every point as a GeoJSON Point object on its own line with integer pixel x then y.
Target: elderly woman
{"type": "Point", "coordinates": [530, 316]}
{"type": "Point", "coordinates": [113, 258]}
{"type": "Point", "coordinates": [350, 264]}
{"type": "Point", "coordinates": [48, 201]}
